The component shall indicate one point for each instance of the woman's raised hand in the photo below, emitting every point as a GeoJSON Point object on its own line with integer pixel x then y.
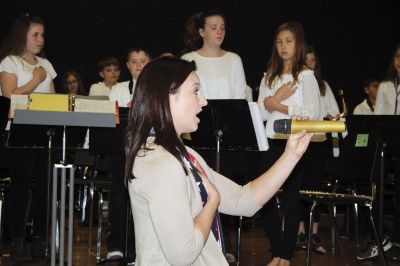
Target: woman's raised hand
{"type": "Point", "coordinates": [297, 143]}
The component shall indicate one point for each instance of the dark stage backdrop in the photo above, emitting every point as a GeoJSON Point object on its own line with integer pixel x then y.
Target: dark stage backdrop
{"type": "Point", "coordinates": [354, 38]}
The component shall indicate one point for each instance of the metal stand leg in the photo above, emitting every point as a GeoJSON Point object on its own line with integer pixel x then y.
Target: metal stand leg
{"type": "Point", "coordinates": [308, 256]}
{"type": "Point", "coordinates": [50, 134]}
{"type": "Point", "coordinates": [91, 196]}
{"type": "Point", "coordinates": [334, 226]}
{"type": "Point", "coordinates": [356, 231]}
{"type": "Point", "coordinates": [70, 215]}
{"type": "Point", "coordinates": [99, 227]}
{"type": "Point", "coordinates": [54, 218]}
{"type": "Point", "coordinates": [333, 237]}
{"type": "Point", "coordinates": [62, 218]}
{"type": "Point", "coordinates": [377, 238]}
{"type": "Point", "coordinates": [84, 202]}
{"type": "Point", "coordinates": [62, 214]}
{"type": "Point", "coordinates": [239, 234]}
{"type": "Point", "coordinates": [381, 188]}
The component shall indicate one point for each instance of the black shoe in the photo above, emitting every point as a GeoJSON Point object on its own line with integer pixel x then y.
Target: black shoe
{"type": "Point", "coordinates": [316, 244]}
{"type": "Point", "coordinates": [130, 261]}
{"type": "Point", "coordinates": [394, 252]}
{"type": "Point", "coordinates": [39, 247]}
{"type": "Point", "coordinates": [301, 241]}
{"type": "Point", "coordinates": [18, 251]}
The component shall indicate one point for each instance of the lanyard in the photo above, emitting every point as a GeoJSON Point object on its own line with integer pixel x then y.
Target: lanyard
{"type": "Point", "coordinates": [216, 227]}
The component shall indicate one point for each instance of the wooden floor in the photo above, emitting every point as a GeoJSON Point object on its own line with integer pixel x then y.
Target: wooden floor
{"type": "Point", "coordinates": [254, 249]}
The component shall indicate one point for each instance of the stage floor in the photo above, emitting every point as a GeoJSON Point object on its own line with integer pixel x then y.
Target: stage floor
{"type": "Point", "coordinates": [254, 249]}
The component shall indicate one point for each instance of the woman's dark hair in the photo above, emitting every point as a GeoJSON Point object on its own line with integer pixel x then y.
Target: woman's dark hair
{"type": "Point", "coordinates": [193, 40]}
{"type": "Point", "coordinates": [150, 111]}
{"type": "Point", "coordinates": [81, 88]}
{"type": "Point", "coordinates": [275, 64]}
{"type": "Point", "coordinates": [392, 74]}
{"type": "Point", "coordinates": [317, 71]}
{"type": "Point", "coordinates": [14, 43]}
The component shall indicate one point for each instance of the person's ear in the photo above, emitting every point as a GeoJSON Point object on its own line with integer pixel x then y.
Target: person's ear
{"type": "Point", "coordinates": [366, 90]}
{"type": "Point", "coordinates": [101, 74]}
{"type": "Point", "coordinates": [201, 32]}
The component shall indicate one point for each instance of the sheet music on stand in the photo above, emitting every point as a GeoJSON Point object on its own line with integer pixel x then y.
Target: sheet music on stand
{"type": "Point", "coordinates": [259, 127]}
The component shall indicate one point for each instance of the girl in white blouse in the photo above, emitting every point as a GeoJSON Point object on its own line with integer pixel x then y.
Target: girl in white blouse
{"type": "Point", "coordinates": [388, 97]}
{"type": "Point", "coordinates": [288, 88]}
{"type": "Point", "coordinates": [23, 66]}
{"type": "Point", "coordinates": [23, 69]}
{"type": "Point", "coordinates": [329, 106]}
{"type": "Point", "coordinates": [221, 72]}
{"type": "Point", "coordinates": [318, 153]}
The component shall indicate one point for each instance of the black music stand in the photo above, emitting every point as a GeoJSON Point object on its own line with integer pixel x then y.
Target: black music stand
{"type": "Point", "coordinates": [227, 125]}
{"type": "Point", "coordinates": [384, 128]}
{"type": "Point", "coordinates": [61, 119]}
{"type": "Point", "coordinates": [40, 137]}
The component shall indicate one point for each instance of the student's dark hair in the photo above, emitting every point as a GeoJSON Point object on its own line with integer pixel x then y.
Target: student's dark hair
{"type": "Point", "coordinates": [275, 64]}
{"type": "Point", "coordinates": [107, 61]}
{"type": "Point", "coordinates": [137, 50]}
{"type": "Point", "coordinates": [150, 111]}
{"type": "Point", "coordinates": [193, 40]}
{"type": "Point", "coordinates": [367, 82]}
{"type": "Point", "coordinates": [14, 43]}
{"type": "Point", "coordinates": [81, 87]}
{"type": "Point", "coordinates": [392, 74]}
{"type": "Point", "coordinates": [317, 71]}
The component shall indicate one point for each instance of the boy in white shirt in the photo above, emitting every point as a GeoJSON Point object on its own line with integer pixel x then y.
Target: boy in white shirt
{"type": "Point", "coordinates": [136, 59]}
{"type": "Point", "coordinates": [367, 106]}
{"type": "Point", "coordinates": [109, 71]}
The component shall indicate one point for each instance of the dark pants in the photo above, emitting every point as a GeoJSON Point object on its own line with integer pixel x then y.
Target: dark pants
{"type": "Point", "coordinates": [28, 172]}
{"type": "Point", "coordinates": [118, 205]}
{"type": "Point", "coordinates": [395, 168]}
{"type": "Point", "coordinates": [396, 234]}
{"type": "Point", "coordinates": [282, 223]}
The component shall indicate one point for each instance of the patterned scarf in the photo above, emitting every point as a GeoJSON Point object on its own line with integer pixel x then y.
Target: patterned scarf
{"type": "Point", "coordinates": [216, 227]}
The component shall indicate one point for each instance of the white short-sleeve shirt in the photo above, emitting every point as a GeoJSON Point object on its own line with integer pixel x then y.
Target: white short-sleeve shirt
{"type": "Point", "coordinates": [16, 65]}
